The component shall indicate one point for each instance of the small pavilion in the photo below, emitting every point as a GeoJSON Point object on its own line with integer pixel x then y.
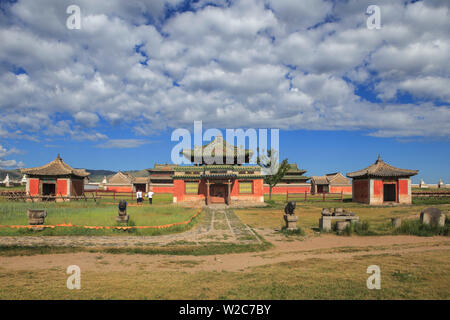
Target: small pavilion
{"type": "Point", "coordinates": [55, 179]}
{"type": "Point", "coordinates": [381, 183]}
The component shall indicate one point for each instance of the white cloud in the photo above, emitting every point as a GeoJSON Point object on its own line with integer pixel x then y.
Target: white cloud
{"type": "Point", "coordinates": [245, 63]}
{"type": "Point", "coordinates": [122, 143]}
{"type": "Point", "coordinates": [9, 163]}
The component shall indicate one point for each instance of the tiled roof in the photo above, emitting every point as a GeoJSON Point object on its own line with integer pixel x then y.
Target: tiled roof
{"type": "Point", "coordinates": [382, 169]}
{"type": "Point", "coordinates": [220, 146]}
{"type": "Point", "coordinates": [319, 179]}
{"type": "Point", "coordinates": [55, 168]}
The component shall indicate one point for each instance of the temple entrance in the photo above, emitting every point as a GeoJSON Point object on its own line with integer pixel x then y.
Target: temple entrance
{"type": "Point", "coordinates": [48, 189]}
{"type": "Point", "coordinates": [218, 193]}
{"type": "Point", "coordinates": [319, 189]}
{"type": "Point", "coordinates": [389, 192]}
{"type": "Point", "coordinates": [140, 187]}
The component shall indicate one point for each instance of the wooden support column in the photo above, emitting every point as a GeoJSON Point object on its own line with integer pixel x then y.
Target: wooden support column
{"type": "Point", "coordinates": [229, 192]}
{"type": "Point", "coordinates": [207, 192]}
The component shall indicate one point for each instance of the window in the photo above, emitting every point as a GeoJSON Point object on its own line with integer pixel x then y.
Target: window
{"type": "Point", "coordinates": [245, 187]}
{"type": "Point", "coordinates": [191, 187]}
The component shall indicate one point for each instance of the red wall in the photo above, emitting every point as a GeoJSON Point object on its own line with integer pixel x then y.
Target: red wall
{"type": "Point", "coordinates": [403, 187]}
{"type": "Point", "coordinates": [284, 189]}
{"type": "Point", "coordinates": [377, 187]}
{"type": "Point", "coordinates": [120, 188]}
{"type": "Point", "coordinates": [162, 189]}
{"type": "Point", "coordinates": [34, 187]}
{"type": "Point", "coordinates": [343, 189]}
{"type": "Point", "coordinates": [61, 187]}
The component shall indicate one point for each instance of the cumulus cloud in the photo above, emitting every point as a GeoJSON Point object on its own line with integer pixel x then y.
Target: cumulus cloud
{"type": "Point", "coordinates": [122, 143]}
{"type": "Point", "coordinates": [9, 163]}
{"type": "Point", "coordinates": [156, 64]}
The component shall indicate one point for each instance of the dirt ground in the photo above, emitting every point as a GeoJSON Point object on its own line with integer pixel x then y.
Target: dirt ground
{"type": "Point", "coordinates": [326, 246]}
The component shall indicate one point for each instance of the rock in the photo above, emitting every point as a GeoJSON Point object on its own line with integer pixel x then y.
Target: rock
{"type": "Point", "coordinates": [433, 217]}
{"type": "Point", "coordinates": [339, 212]}
{"type": "Point", "coordinates": [326, 212]}
{"type": "Point", "coordinates": [396, 222]}
{"type": "Point", "coordinates": [341, 225]}
{"type": "Point", "coordinates": [123, 219]}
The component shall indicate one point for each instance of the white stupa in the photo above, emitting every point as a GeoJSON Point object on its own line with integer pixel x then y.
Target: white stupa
{"type": "Point", "coordinates": [105, 181]}
{"type": "Point", "coordinates": [441, 184]}
{"type": "Point", "coordinates": [422, 184]}
{"type": "Point", "coordinates": [24, 179]}
{"type": "Point", "coordinates": [6, 181]}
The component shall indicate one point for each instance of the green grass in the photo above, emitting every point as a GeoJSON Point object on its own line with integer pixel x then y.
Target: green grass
{"type": "Point", "coordinates": [92, 214]}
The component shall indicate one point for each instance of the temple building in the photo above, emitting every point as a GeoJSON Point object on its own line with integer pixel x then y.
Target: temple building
{"type": "Point", "coordinates": [331, 183]}
{"type": "Point", "coordinates": [293, 181]}
{"type": "Point", "coordinates": [55, 179]}
{"type": "Point", "coordinates": [124, 182]}
{"type": "Point", "coordinates": [161, 180]}
{"type": "Point", "coordinates": [382, 183]}
{"type": "Point", "coordinates": [210, 181]}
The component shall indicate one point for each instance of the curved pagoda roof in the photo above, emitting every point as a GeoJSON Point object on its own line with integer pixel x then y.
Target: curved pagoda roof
{"type": "Point", "coordinates": [382, 169]}
{"type": "Point", "coordinates": [55, 168]}
{"type": "Point", "coordinates": [220, 146]}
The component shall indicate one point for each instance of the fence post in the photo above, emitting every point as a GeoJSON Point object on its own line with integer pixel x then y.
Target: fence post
{"type": "Point", "coordinates": [342, 195]}
{"type": "Point", "coordinates": [305, 195]}
{"type": "Point", "coordinates": [114, 195]}
{"type": "Point", "coordinates": [287, 195]}
{"type": "Point", "coordinates": [323, 196]}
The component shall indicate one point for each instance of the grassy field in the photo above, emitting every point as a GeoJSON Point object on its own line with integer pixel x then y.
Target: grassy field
{"type": "Point", "coordinates": [416, 275]}
{"type": "Point", "coordinates": [90, 213]}
{"type": "Point", "coordinates": [309, 212]}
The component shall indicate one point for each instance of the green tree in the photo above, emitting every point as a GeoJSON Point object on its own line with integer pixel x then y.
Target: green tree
{"type": "Point", "coordinates": [273, 170]}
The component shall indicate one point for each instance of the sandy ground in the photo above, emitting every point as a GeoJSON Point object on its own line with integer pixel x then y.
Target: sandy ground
{"type": "Point", "coordinates": [323, 247]}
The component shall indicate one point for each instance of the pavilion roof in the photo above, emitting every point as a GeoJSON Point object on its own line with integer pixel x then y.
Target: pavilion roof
{"type": "Point", "coordinates": [220, 146]}
{"type": "Point", "coordinates": [55, 168]}
{"type": "Point", "coordinates": [382, 169]}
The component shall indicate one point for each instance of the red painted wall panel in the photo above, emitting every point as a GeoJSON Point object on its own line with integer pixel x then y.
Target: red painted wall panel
{"type": "Point", "coordinates": [61, 187]}
{"type": "Point", "coordinates": [403, 187]}
{"type": "Point", "coordinates": [34, 187]}
{"type": "Point", "coordinates": [377, 187]}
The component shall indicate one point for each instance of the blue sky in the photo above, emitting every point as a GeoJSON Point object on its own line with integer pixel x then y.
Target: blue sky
{"type": "Point", "coordinates": [109, 95]}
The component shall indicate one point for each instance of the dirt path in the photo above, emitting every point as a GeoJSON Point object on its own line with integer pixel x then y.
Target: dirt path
{"type": "Point", "coordinates": [325, 247]}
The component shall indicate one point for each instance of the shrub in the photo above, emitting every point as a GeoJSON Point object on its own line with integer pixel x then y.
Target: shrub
{"type": "Point", "coordinates": [359, 228]}
{"type": "Point", "coordinates": [417, 228]}
{"type": "Point", "coordinates": [298, 232]}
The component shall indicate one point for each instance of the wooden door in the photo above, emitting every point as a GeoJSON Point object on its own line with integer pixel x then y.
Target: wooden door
{"type": "Point", "coordinates": [218, 193]}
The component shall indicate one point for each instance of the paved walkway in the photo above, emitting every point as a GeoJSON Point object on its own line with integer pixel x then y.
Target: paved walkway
{"type": "Point", "coordinates": [217, 224]}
